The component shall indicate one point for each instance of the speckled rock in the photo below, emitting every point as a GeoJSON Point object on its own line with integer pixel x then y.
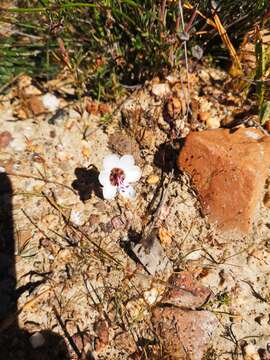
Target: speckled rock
{"type": "Point", "coordinates": [228, 170]}
{"type": "Point", "coordinates": [185, 334]}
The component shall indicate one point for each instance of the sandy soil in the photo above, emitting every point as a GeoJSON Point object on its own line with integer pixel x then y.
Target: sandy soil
{"type": "Point", "coordinates": [72, 245]}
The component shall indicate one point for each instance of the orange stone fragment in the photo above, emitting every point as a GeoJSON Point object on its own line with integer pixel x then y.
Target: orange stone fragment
{"type": "Point", "coordinates": [228, 168]}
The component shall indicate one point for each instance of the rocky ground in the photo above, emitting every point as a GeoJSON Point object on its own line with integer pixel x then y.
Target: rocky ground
{"type": "Point", "coordinates": [76, 271]}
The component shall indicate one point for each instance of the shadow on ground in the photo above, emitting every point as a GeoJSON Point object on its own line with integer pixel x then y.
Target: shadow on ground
{"type": "Point", "coordinates": [86, 183]}
{"type": "Point", "coordinates": [166, 155]}
{"type": "Point", "coordinates": [14, 342]}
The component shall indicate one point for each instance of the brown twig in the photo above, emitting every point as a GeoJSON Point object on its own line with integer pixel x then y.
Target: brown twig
{"type": "Point", "coordinates": [41, 179]}
{"type": "Point", "coordinates": [187, 97]}
{"type": "Point", "coordinates": [255, 293]}
{"type": "Point", "coordinates": [98, 247]}
{"type": "Point", "coordinates": [69, 338]}
{"type": "Point", "coordinates": [155, 217]}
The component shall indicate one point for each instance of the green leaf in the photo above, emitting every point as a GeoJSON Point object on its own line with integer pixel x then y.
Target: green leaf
{"type": "Point", "coordinates": [53, 8]}
{"type": "Point", "coordinates": [265, 112]}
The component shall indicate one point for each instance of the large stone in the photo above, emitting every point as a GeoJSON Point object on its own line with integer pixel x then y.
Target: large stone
{"type": "Point", "coordinates": [184, 331]}
{"type": "Point", "coordinates": [184, 334]}
{"type": "Point", "coordinates": [228, 169]}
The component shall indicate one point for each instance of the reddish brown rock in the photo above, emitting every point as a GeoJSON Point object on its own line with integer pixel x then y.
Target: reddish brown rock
{"type": "Point", "coordinates": [102, 331]}
{"type": "Point", "coordinates": [228, 170]}
{"type": "Point", "coordinates": [184, 334]}
{"type": "Point", "coordinates": [185, 291]}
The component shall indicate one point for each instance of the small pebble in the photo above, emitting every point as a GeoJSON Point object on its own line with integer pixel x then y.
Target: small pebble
{"type": "Point", "coordinates": [50, 102]}
{"type": "Point", "coordinates": [212, 123]}
{"type": "Point", "coordinates": [151, 296]}
{"type": "Point", "coordinates": [5, 138]}
{"type": "Point", "coordinates": [18, 144]}
{"type": "Point", "coordinates": [204, 116]}
{"type": "Point", "coordinates": [118, 222]}
{"type": "Point", "coordinates": [37, 340]}
{"type": "Point", "coordinates": [161, 90]}
{"type": "Point", "coordinates": [77, 217]}
{"type": "Point", "coordinates": [250, 353]}
{"type": "Point", "coordinates": [197, 52]}
{"type": "Point", "coordinates": [152, 179]}
{"type": "Point", "coordinates": [194, 255]}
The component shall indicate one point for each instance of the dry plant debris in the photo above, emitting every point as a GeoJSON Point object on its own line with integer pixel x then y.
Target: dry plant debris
{"type": "Point", "coordinates": [76, 273]}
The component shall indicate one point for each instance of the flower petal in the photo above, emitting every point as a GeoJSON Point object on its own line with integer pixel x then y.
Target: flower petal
{"type": "Point", "coordinates": [104, 177]}
{"type": "Point", "coordinates": [127, 191]}
{"type": "Point", "coordinates": [111, 161]}
{"type": "Point", "coordinates": [109, 192]}
{"type": "Point", "coordinates": [133, 174]}
{"type": "Point", "coordinates": [126, 161]}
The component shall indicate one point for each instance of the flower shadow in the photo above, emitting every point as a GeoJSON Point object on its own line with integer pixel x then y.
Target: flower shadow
{"type": "Point", "coordinates": [86, 183]}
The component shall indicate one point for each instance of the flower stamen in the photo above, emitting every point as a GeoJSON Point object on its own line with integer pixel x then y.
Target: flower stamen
{"type": "Point", "coordinates": [117, 177]}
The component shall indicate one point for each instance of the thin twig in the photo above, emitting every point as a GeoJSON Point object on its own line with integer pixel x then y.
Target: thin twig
{"type": "Point", "coordinates": [186, 56]}
{"type": "Point", "coordinates": [69, 338]}
{"type": "Point", "coordinates": [35, 225]}
{"type": "Point", "coordinates": [9, 83]}
{"type": "Point", "coordinates": [41, 179]}
{"type": "Point", "coordinates": [156, 215]}
{"type": "Point", "coordinates": [98, 247]}
{"type": "Point", "coordinates": [255, 293]}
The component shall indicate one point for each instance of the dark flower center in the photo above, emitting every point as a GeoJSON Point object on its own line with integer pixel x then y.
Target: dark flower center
{"type": "Point", "coordinates": [117, 176]}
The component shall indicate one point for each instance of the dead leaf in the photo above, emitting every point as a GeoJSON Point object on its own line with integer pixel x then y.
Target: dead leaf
{"type": "Point", "coordinates": [22, 239]}
{"type": "Point", "coordinates": [174, 107]}
{"type": "Point", "coordinates": [91, 107]}
{"type": "Point", "coordinates": [204, 116]}
{"type": "Point", "coordinates": [35, 105]}
{"type": "Point", "coordinates": [95, 108]}
{"type": "Point", "coordinates": [25, 87]}
{"type": "Point", "coordinates": [165, 236]}
{"type": "Point", "coordinates": [104, 109]}
{"type": "Point", "coordinates": [161, 90]}
{"type": "Point", "coordinates": [29, 106]}
{"type": "Point", "coordinates": [146, 138]}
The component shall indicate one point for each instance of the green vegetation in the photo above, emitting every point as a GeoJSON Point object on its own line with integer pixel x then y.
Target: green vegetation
{"type": "Point", "coordinates": [107, 43]}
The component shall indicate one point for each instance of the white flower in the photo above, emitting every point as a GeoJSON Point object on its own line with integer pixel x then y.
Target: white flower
{"type": "Point", "coordinates": [117, 174]}
{"type": "Point", "coordinates": [50, 102]}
